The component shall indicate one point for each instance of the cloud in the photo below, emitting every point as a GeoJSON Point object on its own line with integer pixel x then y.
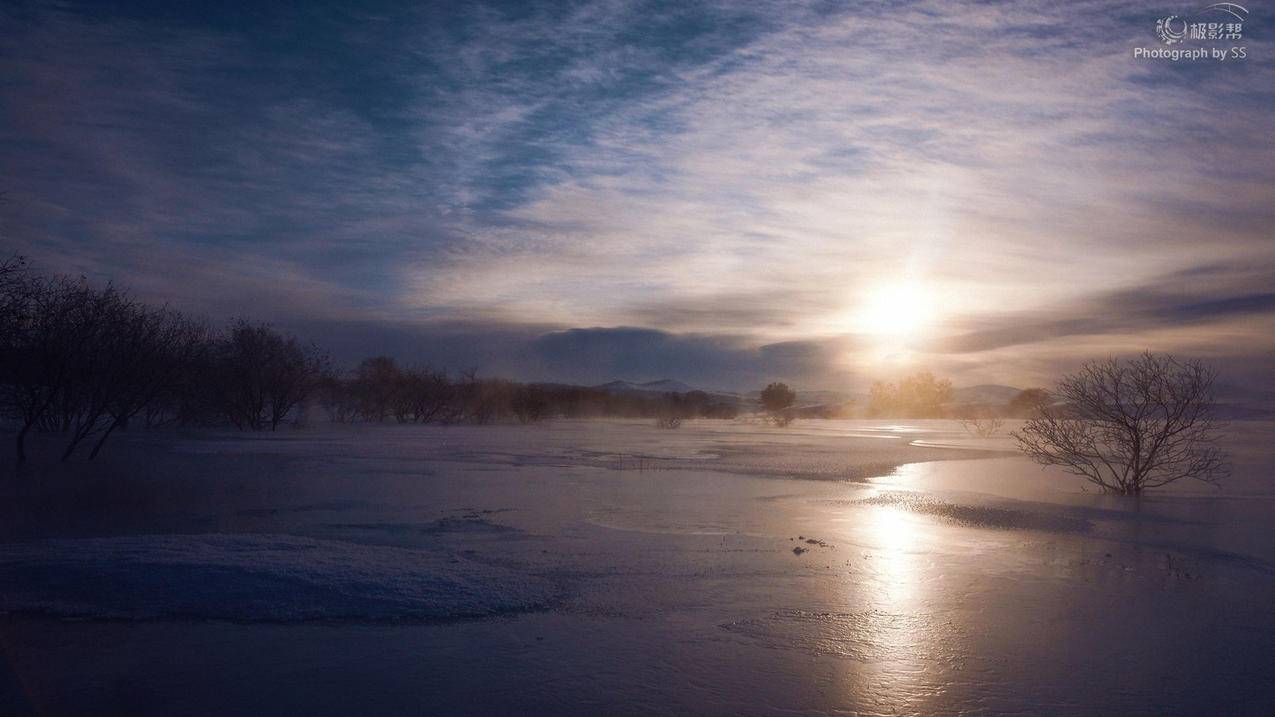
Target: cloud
{"type": "Point", "coordinates": [588, 355]}
{"type": "Point", "coordinates": [726, 175]}
{"type": "Point", "coordinates": [1207, 294]}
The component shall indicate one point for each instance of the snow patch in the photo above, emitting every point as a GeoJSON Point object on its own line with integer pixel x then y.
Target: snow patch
{"type": "Point", "coordinates": [253, 578]}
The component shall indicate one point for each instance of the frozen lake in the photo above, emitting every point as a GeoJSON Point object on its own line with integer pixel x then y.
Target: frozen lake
{"type": "Point", "coordinates": [832, 567]}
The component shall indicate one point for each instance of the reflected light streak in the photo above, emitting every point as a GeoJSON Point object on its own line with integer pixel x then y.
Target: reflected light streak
{"type": "Point", "coordinates": [898, 627]}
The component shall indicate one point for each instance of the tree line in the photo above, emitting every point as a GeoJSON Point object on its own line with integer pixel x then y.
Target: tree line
{"type": "Point", "coordinates": [922, 395]}
{"type": "Point", "coordinates": [84, 362]}
{"type": "Point", "coordinates": [380, 390]}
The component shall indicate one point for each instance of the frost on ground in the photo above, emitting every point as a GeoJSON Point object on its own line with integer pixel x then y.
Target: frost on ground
{"type": "Point", "coordinates": [833, 567]}
{"type": "Point", "coordinates": [822, 450]}
{"type": "Point", "coordinates": [253, 578]}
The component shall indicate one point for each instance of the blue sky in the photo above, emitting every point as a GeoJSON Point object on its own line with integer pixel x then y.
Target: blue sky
{"type": "Point", "coordinates": [724, 193]}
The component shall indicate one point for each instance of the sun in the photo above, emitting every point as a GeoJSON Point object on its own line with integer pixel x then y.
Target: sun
{"type": "Point", "coordinates": [898, 309]}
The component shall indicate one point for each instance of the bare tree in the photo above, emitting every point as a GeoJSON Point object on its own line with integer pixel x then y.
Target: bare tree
{"type": "Point", "coordinates": [1028, 402]}
{"type": "Point", "coordinates": [131, 354]}
{"type": "Point", "coordinates": [161, 350]}
{"type": "Point", "coordinates": [1131, 425]}
{"type": "Point", "coordinates": [478, 401]}
{"type": "Point", "coordinates": [422, 395]}
{"type": "Point", "coordinates": [490, 400]}
{"type": "Point", "coordinates": [983, 425]}
{"type": "Point", "coordinates": [529, 404]}
{"type": "Point", "coordinates": [336, 395]}
{"type": "Point", "coordinates": [262, 375]}
{"type": "Point", "coordinates": [43, 353]}
{"type": "Point", "coordinates": [17, 307]}
{"type": "Point", "coordinates": [920, 395]}
{"type": "Point", "coordinates": [777, 399]}
{"type": "Point", "coordinates": [463, 393]}
{"type": "Point", "coordinates": [674, 408]}
{"type": "Point", "coordinates": [82, 361]}
{"type": "Point", "coordinates": [377, 381]}
{"type": "Point", "coordinates": [13, 299]}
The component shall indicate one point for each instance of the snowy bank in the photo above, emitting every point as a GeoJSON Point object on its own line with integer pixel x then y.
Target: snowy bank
{"type": "Point", "coordinates": [253, 578]}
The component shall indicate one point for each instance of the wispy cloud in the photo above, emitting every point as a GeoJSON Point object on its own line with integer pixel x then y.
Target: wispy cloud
{"type": "Point", "coordinates": [746, 173]}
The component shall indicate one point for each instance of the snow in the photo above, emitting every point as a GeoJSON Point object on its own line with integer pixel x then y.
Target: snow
{"type": "Point", "coordinates": [252, 577]}
{"type": "Point", "coordinates": [614, 567]}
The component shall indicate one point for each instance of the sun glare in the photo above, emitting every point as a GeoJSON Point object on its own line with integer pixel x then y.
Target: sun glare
{"type": "Point", "coordinates": [896, 310]}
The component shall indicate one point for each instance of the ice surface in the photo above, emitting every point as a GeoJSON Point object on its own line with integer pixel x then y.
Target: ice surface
{"type": "Point", "coordinates": [252, 577]}
{"type": "Point", "coordinates": [618, 568]}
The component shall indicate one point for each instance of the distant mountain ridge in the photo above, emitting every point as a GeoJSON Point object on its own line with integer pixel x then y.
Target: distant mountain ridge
{"type": "Point", "coordinates": [661, 386]}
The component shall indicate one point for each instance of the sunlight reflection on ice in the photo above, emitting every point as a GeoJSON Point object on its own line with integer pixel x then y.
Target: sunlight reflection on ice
{"type": "Point", "coordinates": [895, 598]}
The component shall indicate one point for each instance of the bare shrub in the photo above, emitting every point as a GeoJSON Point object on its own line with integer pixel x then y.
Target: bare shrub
{"type": "Point", "coordinates": [1130, 425]}
{"type": "Point", "coordinates": [982, 426]}
{"type": "Point", "coordinates": [668, 422]}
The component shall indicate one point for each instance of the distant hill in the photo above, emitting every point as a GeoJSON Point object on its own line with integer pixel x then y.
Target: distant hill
{"type": "Point", "coordinates": [661, 386]}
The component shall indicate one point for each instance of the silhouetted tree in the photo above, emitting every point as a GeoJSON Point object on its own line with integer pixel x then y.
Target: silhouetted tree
{"type": "Point", "coordinates": [475, 400]}
{"type": "Point", "coordinates": [489, 400]}
{"type": "Point", "coordinates": [156, 351]}
{"type": "Point", "coordinates": [336, 395]}
{"type": "Point", "coordinates": [777, 400]}
{"type": "Point", "coordinates": [376, 383]}
{"type": "Point", "coordinates": [1028, 402]}
{"type": "Point", "coordinates": [677, 407]}
{"type": "Point", "coordinates": [982, 424]}
{"type": "Point", "coordinates": [423, 395]}
{"type": "Point", "coordinates": [920, 395]}
{"type": "Point", "coordinates": [44, 351]}
{"type": "Point", "coordinates": [83, 361]}
{"type": "Point", "coordinates": [24, 394]}
{"type": "Point", "coordinates": [263, 375]}
{"type": "Point", "coordinates": [1130, 425]}
{"type": "Point", "coordinates": [14, 301]}
{"type": "Point", "coordinates": [530, 404]}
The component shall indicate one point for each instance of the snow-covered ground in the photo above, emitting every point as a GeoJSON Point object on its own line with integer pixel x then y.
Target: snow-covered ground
{"type": "Point", "coordinates": [612, 567]}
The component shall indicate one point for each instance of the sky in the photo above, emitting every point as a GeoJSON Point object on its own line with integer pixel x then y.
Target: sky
{"type": "Point", "coordinates": [720, 193]}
